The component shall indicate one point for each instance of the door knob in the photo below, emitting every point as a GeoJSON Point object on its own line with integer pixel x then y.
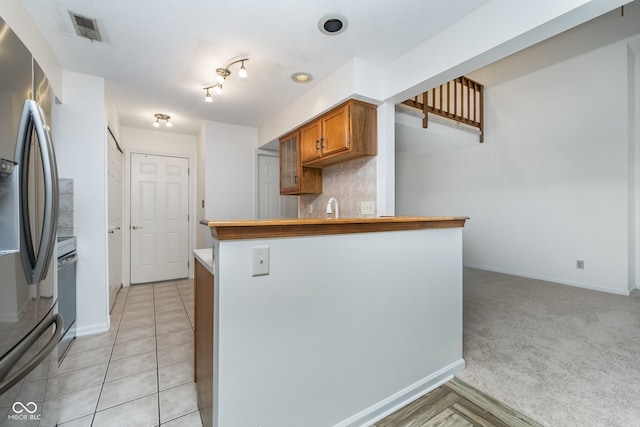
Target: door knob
{"type": "Point", "coordinates": [135, 227]}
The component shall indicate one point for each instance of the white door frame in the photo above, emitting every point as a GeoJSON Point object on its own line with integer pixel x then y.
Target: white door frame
{"type": "Point", "coordinates": [126, 219]}
{"type": "Point", "coordinates": [120, 230]}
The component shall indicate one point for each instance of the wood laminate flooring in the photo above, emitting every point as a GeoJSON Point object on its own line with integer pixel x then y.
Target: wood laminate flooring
{"type": "Point", "coordinates": [456, 404]}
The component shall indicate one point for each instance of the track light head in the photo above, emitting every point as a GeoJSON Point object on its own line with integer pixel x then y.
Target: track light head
{"type": "Point", "coordinates": [243, 71]}
{"type": "Point", "coordinates": [222, 74]}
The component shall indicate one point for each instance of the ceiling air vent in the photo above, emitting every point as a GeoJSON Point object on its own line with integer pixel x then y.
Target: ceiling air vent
{"type": "Point", "coordinates": [86, 27]}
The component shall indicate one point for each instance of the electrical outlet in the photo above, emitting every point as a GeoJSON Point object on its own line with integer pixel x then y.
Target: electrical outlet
{"type": "Point", "coordinates": [259, 260]}
{"type": "Point", "coordinates": [580, 264]}
{"type": "Point", "coordinates": [310, 209]}
{"type": "Point", "coordinates": [367, 208]}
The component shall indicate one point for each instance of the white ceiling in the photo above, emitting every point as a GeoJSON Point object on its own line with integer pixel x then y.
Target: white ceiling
{"type": "Point", "coordinates": [157, 55]}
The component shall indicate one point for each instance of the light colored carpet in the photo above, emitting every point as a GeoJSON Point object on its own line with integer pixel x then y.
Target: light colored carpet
{"type": "Point", "coordinates": [563, 356]}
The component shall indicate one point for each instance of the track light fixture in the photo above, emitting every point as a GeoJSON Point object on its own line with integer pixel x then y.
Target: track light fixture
{"type": "Point", "coordinates": [222, 74]}
{"type": "Point", "coordinates": [165, 117]}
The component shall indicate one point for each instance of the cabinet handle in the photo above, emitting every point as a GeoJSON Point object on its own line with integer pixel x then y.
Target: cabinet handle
{"type": "Point", "coordinates": [295, 179]}
{"type": "Point", "coordinates": [322, 146]}
{"type": "Point", "coordinates": [317, 144]}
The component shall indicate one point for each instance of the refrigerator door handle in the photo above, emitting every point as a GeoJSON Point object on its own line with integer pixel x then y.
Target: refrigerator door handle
{"type": "Point", "coordinates": [36, 360]}
{"type": "Point", "coordinates": [37, 263]}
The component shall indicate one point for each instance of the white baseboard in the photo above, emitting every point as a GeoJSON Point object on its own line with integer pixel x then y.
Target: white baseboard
{"type": "Point", "coordinates": [403, 397]}
{"type": "Point", "coordinates": [551, 279]}
{"type": "Point", "coordinates": [91, 329]}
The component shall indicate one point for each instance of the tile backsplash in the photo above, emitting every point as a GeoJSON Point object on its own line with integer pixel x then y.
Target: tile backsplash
{"type": "Point", "coordinates": [65, 209]}
{"type": "Point", "coordinates": [351, 183]}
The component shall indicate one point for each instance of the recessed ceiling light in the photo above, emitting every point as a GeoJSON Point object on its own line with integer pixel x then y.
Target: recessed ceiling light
{"type": "Point", "coordinates": [332, 25]}
{"type": "Point", "coordinates": [301, 77]}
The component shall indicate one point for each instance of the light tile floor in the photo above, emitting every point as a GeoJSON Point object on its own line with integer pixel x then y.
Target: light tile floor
{"type": "Point", "coordinates": [140, 373]}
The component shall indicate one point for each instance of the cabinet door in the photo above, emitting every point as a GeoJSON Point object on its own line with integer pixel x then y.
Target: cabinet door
{"type": "Point", "coordinates": [294, 179]}
{"type": "Point", "coordinates": [289, 164]}
{"type": "Point", "coordinates": [203, 341]}
{"type": "Point", "coordinates": [335, 131]}
{"type": "Point", "coordinates": [310, 141]}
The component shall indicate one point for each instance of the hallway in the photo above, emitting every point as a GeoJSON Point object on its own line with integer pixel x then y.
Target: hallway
{"type": "Point", "coordinates": [140, 373]}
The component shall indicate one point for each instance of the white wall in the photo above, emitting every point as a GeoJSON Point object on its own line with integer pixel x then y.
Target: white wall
{"type": "Point", "coordinates": [201, 232]}
{"type": "Point", "coordinates": [230, 156]}
{"type": "Point", "coordinates": [80, 140]}
{"type": "Point", "coordinates": [113, 119]}
{"type": "Point", "coordinates": [376, 326]}
{"type": "Point", "coordinates": [155, 141]}
{"type": "Point", "coordinates": [634, 161]}
{"type": "Point", "coordinates": [549, 186]}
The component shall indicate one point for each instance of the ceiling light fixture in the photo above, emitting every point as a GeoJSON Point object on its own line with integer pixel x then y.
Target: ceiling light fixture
{"type": "Point", "coordinates": [301, 77]}
{"type": "Point", "coordinates": [222, 74]}
{"type": "Point", "coordinates": [165, 117]}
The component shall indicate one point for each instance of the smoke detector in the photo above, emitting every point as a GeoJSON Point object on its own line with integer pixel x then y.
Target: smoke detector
{"type": "Point", "coordinates": [86, 27]}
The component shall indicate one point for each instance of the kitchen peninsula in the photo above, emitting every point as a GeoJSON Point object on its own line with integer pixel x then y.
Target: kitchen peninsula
{"type": "Point", "coordinates": [326, 322]}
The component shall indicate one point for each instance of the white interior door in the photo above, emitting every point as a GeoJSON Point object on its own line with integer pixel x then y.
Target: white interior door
{"type": "Point", "coordinates": [114, 188]}
{"type": "Point", "coordinates": [270, 203]}
{"type": "Point", "coordinates": [159, 218]}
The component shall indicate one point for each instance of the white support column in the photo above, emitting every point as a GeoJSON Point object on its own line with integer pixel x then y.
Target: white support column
{"type": "Point", "coordinates": [386, 204]}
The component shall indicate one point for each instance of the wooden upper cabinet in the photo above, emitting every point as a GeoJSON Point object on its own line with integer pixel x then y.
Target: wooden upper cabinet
{"type": "Point", "coordinates": [310, 136]}
{"type": "Point", "coordinates": [294, 179]}
{"type": "Point", "coordinates": [347, 132]}
{"type": "Point", "coordinates": [335, 131]}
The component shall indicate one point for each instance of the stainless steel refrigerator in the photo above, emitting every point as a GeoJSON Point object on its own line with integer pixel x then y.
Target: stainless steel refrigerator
{"type": "Point", "coordinates": [30, 327]}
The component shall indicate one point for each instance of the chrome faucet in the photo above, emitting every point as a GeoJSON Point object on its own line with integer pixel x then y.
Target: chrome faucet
{"type": "Point", "coordinates": [329, 210]}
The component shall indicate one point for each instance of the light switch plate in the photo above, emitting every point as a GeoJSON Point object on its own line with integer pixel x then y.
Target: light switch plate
{"type": "Point", "coordinates": [367, 208]}
{"type": "Point", "coordinates": [259, 260]}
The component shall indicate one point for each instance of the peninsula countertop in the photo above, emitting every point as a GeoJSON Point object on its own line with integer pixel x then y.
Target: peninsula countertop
{"type": "Point", "coordinates": [255, 229]}
{"type": "Point", "coordinates": [205, 256]}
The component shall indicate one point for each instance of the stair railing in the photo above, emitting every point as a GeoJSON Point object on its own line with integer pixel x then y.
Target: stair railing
{"type": "Point", "coordinates": [461, 99]}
